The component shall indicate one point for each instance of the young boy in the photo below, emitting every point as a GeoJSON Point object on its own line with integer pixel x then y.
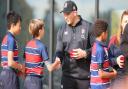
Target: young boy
{"type": "Point", "coordinates": [9, 53]}
{"type": "Point", "coordinates": [100, 68]}
{"type": "Point", "coordinates": [36, 56]}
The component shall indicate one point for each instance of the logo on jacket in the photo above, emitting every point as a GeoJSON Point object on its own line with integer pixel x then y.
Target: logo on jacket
{"type": "Point", "coordinates": [66, 33]}
{"type": "Point", "coordinates": [82, 33]}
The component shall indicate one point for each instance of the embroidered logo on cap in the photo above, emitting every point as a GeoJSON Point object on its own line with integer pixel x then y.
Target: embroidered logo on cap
{"type": "Point", "coordinates": [65, 5]}
{"type": "Point", "coordinates": [74, 8]}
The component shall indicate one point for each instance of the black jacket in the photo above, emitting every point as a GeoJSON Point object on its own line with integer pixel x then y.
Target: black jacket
{"type": "Point", "coordinates": [68, 38]}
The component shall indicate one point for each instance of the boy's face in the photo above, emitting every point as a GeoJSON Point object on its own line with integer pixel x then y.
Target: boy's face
{"type": "Point", "coordinates": [41, 32]}
{"type": "Point", "coordinates": [104, 36]}
{"type": "Point", "coordinates": [17, 28]}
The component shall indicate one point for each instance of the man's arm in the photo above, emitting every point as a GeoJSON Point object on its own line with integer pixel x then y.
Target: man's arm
{"type": "Point", "coordinates": [100, 59]}
{"type": "Point", "coordinates": [91, 39]}
{"type": "Point", "coordinates": [87, 52]}
{"type": "Point", "coordinates": [59, 46]}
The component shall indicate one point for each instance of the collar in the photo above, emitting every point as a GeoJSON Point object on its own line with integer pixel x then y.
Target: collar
{"type": "Point", "coordinates": [36, 39]}
{"type": "Point", "coordinates": [79, 22]}
{"type": "Point", "coordinates": [10, 34]}
{"type": "Point", "coordinates": [101, 43]}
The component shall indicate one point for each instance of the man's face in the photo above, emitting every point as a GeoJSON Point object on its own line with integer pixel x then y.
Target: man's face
{"type": "Point", "coordinates": [69, 17]}
{"type": "Point", "coordinates": [124, 22]}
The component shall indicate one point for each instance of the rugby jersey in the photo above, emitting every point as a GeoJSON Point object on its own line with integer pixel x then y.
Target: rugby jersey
{"type": "Point", "coordinates": [35, 56]}
{"type": "Point", "coordinates": [9, 43]}
{"type": "Point", "coordinates": [99, 56]}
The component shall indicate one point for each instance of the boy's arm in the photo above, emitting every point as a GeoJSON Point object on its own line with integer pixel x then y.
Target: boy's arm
{"type": "Point", "coordinates": [104, 74]}
{"type": "Point", "coordinates": [11, 42]}
{"type": "Point", "coordinates": [14, 64]}
{"type": "Point", "coordinates": [50, 66]}
{"type": "Point", "coordinates": [53, 66]}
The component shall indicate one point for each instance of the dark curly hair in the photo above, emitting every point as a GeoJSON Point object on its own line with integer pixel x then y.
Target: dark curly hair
{"type": "Point", "coordinates": [12, 18]}
{"type": "Point", "coordinates": [100, 26]}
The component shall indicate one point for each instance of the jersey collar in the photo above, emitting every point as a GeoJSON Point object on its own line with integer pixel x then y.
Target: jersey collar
{"type": "Point", "coordinates": [101, 43]}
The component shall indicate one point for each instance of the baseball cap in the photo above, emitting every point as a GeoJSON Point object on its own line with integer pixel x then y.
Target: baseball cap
{"type": "Point", "coordinates": [69, 6]}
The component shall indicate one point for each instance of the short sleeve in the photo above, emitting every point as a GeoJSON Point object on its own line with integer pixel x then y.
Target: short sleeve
{"type": "Point", "coordinates": [11, 43]}
{"type": "Point", "coordinates": [44, 53]}
{"type": "Point", "coordinates": [100, 58]}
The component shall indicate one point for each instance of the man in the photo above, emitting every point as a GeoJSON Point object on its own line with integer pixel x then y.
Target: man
{"type": "Point", "coordinates": [73, 49]}
{"type": "Point", "coordinates": [74, 40]}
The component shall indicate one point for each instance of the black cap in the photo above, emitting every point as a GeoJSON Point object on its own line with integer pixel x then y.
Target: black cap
{"type": "Point", "coordinates": [69, 6]}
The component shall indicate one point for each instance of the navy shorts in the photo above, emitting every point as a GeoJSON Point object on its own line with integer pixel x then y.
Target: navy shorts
{"type": "Point", "coordinates": [8, 79]}
{"type": "Point", "coordinates": [33, 82]}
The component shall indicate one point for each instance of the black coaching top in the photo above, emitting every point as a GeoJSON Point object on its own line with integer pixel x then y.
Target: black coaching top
{"type": "Point", "coordinates": [68, 38]}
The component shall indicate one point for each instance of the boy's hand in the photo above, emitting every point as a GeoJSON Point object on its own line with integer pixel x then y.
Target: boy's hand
{"type": "Point", "coordinates": [53, 66]}
{"type": "Point", "coordinates": [114, 73]}
{"type": "Point", "coordinates": [22, 75]}
{"type": "Point", "coordinates": [104, 74]}
{"type": "Point", "coordinates": [22, 68]}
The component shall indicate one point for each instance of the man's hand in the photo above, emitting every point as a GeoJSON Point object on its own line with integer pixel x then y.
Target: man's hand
{"type": "Point", "coordinates": [120, 61]}
{"type": "Point", "coordinates": [79, 53]}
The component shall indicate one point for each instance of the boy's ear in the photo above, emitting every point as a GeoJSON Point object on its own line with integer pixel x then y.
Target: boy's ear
{"type": "Point", "coordinates": [102, 34]}
{"type": "Point", "coordinates": [12, 25]}
{"type": "Point", "coordinates": [40, 30]}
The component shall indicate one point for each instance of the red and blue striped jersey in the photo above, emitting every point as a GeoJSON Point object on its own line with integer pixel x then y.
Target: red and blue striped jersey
{"type": "Point", "coordinates": [35, 56]}
{"type": "Point", "coordinates": [8, 44]}
{"type": "Point", "coordinates": [99, 57]}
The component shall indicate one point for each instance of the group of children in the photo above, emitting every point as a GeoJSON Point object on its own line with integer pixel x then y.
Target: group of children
{"type": "Point", "coordinates": [36, 56]}
{"type": "Point", "coordinates": [102, 59]}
